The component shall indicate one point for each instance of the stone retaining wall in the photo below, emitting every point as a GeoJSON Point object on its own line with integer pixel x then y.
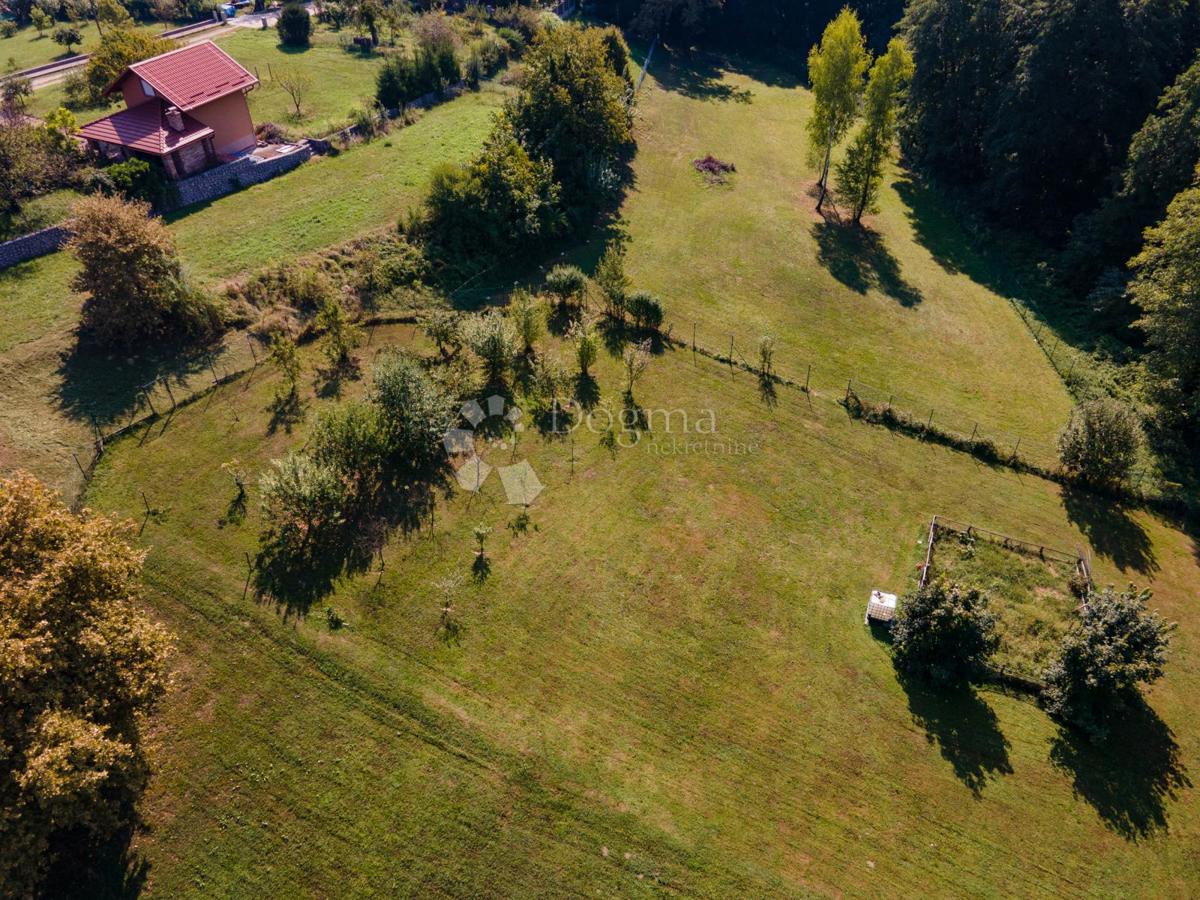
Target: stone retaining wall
{"type": "Point", "coordinates": [234, 176]}
{"type": "Point", "coordinates": [29, 246]}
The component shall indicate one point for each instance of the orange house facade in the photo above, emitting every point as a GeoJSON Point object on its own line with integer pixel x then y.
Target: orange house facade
{"type": "Point", "coordinates": [185, 109]}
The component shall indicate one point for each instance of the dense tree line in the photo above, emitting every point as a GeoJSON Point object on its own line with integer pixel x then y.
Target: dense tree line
{"type": "Point", "coordinates": [1079, 122]}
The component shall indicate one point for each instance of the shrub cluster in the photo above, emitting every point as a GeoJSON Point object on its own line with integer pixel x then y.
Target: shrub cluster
{"type": "Point", "coordinates": [294, 25]}
{"type": "Point", "coordinates": [403, 78]}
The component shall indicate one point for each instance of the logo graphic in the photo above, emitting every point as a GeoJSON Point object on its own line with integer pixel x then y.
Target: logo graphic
{"type": "Point", "coordinates": [463, 445]}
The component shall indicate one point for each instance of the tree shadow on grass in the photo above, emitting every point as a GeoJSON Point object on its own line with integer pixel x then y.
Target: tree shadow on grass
{"type": "Point", "coordinates": [1110, 530]}
{"type": "Point", "coordinates": [107, 386]}
{"type": "Point", "coordinates": [700, 74]}
{"type": "Point", "coordinates": [1129, 777]}
{"type": "Point", "coordinates": [85, 869]}
{"type": "Point", "coordinates": [286, 410]}
{"type": "Point", "coordinates": [858, 258]}
{"type": "Point", "coordinates": [965, 729]}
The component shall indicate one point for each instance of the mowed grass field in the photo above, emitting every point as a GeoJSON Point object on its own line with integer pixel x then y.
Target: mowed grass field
{"type": "Point", "coordinates": [27, 48]}
{"type": "Point", "coordinates": [664, 685]}
{"type": "Point", "coordinates": [893, 307]}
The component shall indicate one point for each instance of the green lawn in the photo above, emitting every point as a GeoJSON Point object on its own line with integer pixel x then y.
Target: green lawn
{"type": "Point", "coordinates": [40, 212]}
{"type": "Point", "coordinates": [664, 686]}
{"type": "Point", "coordinates": [27, 49]}
{"type": "Point", "coordinates": [341, 80]}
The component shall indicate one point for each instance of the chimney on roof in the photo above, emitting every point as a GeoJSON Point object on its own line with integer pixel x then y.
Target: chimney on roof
{"type": "Point", "coordinates": [174, 118]}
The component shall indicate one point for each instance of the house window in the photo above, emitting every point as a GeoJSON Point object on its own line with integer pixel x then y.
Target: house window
{"type": "Point", "coordinates": [146, 89]}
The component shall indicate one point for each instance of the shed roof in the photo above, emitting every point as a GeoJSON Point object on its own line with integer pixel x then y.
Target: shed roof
{"type": "Point", "coordinates": [144, 127]}
{"type": "Point", "coordinates": [191, 76]}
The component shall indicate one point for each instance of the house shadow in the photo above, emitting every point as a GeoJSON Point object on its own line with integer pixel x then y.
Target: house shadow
{"type": "Point", "coordinates": [1128, 778]}
{"type": "Point", "coordinates": [1110, 530]}
{"type": "Point", "coordinates": [964, 728]}
{"type": "Point", "coordinates": [859, 259]}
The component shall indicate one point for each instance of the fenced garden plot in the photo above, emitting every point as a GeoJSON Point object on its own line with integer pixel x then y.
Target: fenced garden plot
{"type": "Point", "coordinates": [1033, 590]}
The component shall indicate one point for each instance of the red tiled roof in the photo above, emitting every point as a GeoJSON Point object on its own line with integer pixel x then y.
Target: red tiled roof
{"type": "Point", "coordinates": [144, 127]}
{"type": "Point", "coordinates": [191, 76]}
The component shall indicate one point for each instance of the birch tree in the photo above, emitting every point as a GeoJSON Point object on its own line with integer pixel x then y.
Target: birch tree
{"type": "Point", "coordinates": [835, 69]}
{"type": "Point", "coordinates": [861, 172]}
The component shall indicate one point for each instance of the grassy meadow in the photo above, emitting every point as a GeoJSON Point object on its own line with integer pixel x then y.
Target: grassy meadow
{"type": "Point", "coordinates": [663, 686]}
{"type": "Point", "coordinates": [27, 48]}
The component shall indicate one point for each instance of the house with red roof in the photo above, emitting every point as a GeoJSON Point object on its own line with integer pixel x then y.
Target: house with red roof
{"type": "Point", "coordinates": [186, 109]}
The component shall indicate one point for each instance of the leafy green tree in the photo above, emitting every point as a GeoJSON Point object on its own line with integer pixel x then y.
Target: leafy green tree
{"type": "Point", "coordinates": [645, 309]}
{"type": "Point", "coordinates": [67, 36]}
{"type": "Point", "coordinates": [118, 49]}
{"type": "Point", "coordinates": [582, 335]}
{"type": "Point", "coordinates": [285, 356]}
{"type": "Point", "coordinates": [502, 200]}
{"type": "Point", "coordinates": [571, 111]}
{"type": "Point", "coordinates": [610, 277]}
{"type": "Point", "coordinates": [860, 174]}
{"type": "Point", "coordinates": [294, 25]}
{"type": "Point", "coordinates": [112, 14]}
{"type": "Point", "coordinates": [444, 328]}
{"type": "Point", "coordinates": [835, 70]}
{"type": "Point", "coordinates": [80, 668]}
{"type": "Point", "coordinates": [22, 165]}
{"type": "Point", "coordinates": [1100, 443]}
{"type": "Point", "coordinates": [416, 411]}
{"type": "Point", "coordinates": [353, 439]}
{"type": "Point", "coordinates": [1113, 647]}
{"type": "Point", "coordinates": [340, 334]}
{"type": "Point", "coordinates": [1166, 288]}
{"type": "Point", "coordinates": [1160, 164]}
{"type": "Point", "coordinates": [943, 633]}
{"type": "Point", "coordinates": [304, 502]}
{"type": "Point", "coordinates": [131, 274]}
{"type": "Point", "coordinates": [528, 318]}
{"type": "Point", "coordinates": [41, 20]}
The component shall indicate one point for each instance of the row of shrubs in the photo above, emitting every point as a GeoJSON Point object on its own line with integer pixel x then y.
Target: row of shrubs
{"type": "Point", "coordinates": [403, 78]}
{"type": "Point", "coordinates": [897, 420]}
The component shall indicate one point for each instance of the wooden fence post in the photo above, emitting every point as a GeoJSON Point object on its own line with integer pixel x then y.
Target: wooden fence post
{"type": "Point", "coordinates": [807, 376]}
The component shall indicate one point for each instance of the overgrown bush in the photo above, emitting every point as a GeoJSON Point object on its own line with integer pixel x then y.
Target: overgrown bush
{"type": "Point", "coordinates": [294, 26]}
{"type": "Point", "coordinates": [1113, 647]}
{"type": "Point", "coordinates": [1100, 443]}
{"type": "Point", "coordinates": [134, 179]}
{"type": "Point", "coordinates": [490, 337]}
{"type": "Point", "coordinates": [132, 276]}
{"type": "Point", "coordinates": [567, 283]}
{"type": "Point", "coordinates": [943, 633]}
